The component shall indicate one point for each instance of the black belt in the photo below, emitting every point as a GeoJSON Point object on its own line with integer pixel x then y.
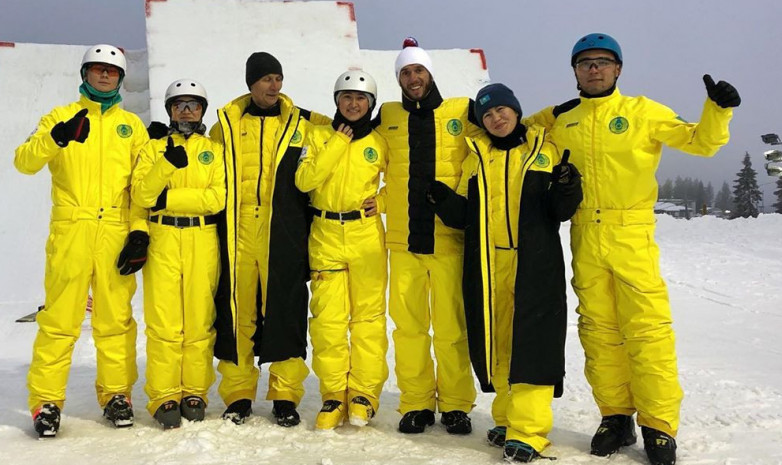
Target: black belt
{"type": "Point", "coordinates": [183, 221]}
{"type": "Point", "coordinates": [346, 216]}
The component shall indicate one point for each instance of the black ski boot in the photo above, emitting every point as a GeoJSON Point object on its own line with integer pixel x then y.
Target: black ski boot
{"type": "Point", "coordinates": [285, 413]}
{"type": "Point", "coordinates": [193, 408]}
{"type": "Point", "coordinates": [119, 411]}
{"type": "Point", "coordinates": [660, 447]}
{"type": "Point", "coordinates": [615, 431]}
{"type": "Point", "coordinates": [238, 411]}
{"type": "Point", "coordinates": [496, 436]}
{"type": "Point", "coordinates": [168, 415]}
{"type": "Point", "coordinates": [517, 451]}
{"type": "Point", "coordinates": [46, 420]}
{"type": "Point", "coordinates": [456, 422]}
{"type": "Point", "coordinates": [416, 421]}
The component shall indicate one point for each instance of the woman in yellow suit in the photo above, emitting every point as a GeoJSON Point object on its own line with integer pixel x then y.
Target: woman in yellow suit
{"type": "Point", "coordinates": [514, 272]}
{"type": "Point", "coordinates": [181, 178]}
{"type": "Point", "coordinates": [340, 168]}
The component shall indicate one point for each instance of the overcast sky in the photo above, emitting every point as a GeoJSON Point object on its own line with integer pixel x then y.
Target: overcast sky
{"type": "Point", "coordinates": [667, 44]}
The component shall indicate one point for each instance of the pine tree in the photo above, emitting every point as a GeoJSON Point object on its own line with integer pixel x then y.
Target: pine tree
{"type": "Point", "coordinates": [723, 200]}
{"type": "Point", "coordinates": [666, 190]}
{"type": "Point", "coordinates": [778, 194]}
{"type": "Point", "coordinates": [709, 194]}
{"type": "Point", "coordinates": [746, 193]}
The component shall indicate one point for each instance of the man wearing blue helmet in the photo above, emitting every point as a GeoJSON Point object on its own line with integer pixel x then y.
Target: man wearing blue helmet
{"type": "Point", "coordinates": [624, 314]}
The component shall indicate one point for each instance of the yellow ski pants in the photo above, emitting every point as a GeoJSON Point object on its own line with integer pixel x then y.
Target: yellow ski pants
{"type": "Point", "coordinates": [625, 317]}
{"type": "Point", "coordinates": [82, 254]}
{"type": "Point", "coordinates": [525, 409]}
{"type": "Point", "coordinates": [240, 381]}
{"type": "Point", "coordinates": [426, 290]}
{"type": "Point", "coordinates": [180, 280]}
{"type": "Point", "coordinates": [349, 276]}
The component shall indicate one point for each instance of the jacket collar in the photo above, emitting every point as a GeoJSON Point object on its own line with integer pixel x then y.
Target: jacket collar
{"type": "Point", "coordinates": [236, 107]}
{"type": "Point", "coordinates": [597, 101]}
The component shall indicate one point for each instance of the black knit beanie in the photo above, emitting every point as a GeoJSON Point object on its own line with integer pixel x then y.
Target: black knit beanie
{"type": "Point", "coordinates": [259, 64]}
{"type": "Point", "coordinates": [495, 95]}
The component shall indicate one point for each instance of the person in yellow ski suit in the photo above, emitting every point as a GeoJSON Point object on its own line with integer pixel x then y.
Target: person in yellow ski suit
{"type": "Point", "coordinates": [425, 136]}
{"type": "Point", "coordinates": [341, 171]}
{"type": "Point", "coordinates": [262, 295]}
{"type": "Point", "coordinates": [624, 315]}
{"type": "Point", "coordinates": [513, 194]}
{"type": "Point", "coordinates": [181, 179]}
{"type": "Point", "coordinates": [90, 147]}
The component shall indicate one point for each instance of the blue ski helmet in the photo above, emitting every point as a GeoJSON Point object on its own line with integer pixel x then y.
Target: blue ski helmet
{"type": "Point", "coordinates": [596, 41]}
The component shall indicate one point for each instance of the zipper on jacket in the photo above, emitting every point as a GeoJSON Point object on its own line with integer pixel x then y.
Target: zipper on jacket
{"type": "Point", "coordinates": [260, 163]}
{"type": "Point", "coordinates": [507, 196]}
{"type": "Point", "coordinates": [487, 245]}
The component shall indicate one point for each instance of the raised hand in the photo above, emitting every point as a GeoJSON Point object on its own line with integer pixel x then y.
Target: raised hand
{"type": "Point", "coordinates": [722, 93]}
{"type": "Point", "coordinates": [76, 128]}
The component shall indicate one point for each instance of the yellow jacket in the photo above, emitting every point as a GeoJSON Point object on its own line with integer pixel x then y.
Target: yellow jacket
{"type": "Point", "coordinates": [437, 137]}
{"type": "Point", "coordinates": [90, 180]}
{"type": "Point", "coordinates": [340, 173]}
{"type": "Point", "coordinates": [195, 190]}
{"type": "Point", "coordinates": [616, 143]}
{"type": "Point", "coordinates": [283, 309]}
{"type": "Point", "coordinates": [511, 205]}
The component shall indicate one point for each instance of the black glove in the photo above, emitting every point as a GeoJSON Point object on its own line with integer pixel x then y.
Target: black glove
{"type": "Point", "coordinates": [161, 201]}
{"type": "Point", "coordinates": [76, 128]}
{"type": "Point", "coordinates": [157, 130]}
{"type": "Point", "coordinates": [722, 93]}
{"type": "Point", "coordinates": [134, 254]}
{"type": "Point", "coordinates": [437, 192]}
{"type": "Point", "coordinates": [562, 173]}
{"type": "Point", "coordinates": [175, 154]}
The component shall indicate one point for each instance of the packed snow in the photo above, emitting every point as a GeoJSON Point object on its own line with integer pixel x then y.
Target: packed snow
{"type": "Point", "coordinates": [724, 280]}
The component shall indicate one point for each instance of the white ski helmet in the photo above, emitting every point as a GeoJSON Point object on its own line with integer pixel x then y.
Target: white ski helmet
{"type": "Point", "coordinates": [356, 80]}
{"type": "Point", "coordinates": [188, 87]}
{"type": "Point", "coordinates": [104, 53]}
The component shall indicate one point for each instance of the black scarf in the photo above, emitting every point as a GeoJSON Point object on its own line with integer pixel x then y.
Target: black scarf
{"type": "Point", "coordinates": [431, 101]}
{"type": "Point", "coordinates": [255, 110]}
{"type": "Point", "coordinates": [512, 140]}
{"type": "Point", "coordinates": [361, 127]}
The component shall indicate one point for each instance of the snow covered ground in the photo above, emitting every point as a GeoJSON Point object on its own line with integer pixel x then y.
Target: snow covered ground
{"type": "Point", "coordinates": [724, 280]}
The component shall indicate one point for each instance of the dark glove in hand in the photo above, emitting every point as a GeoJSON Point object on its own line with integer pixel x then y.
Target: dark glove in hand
{"type": "Point", "coordinates": [722, 93]}
{"type": "Point", "coordinates": [175, 154]}
{"type": "Point", "coordinates": [563, 172]}
{"type": "Point", "coordinates": [161, 201]}
{"type": "Point", "coordinates": [76, 128]}
{"type": "Point", "coordinates": [134, 254]}
{"type": "Point", "coordinates": [157, 130]}
{"type": "Point", "coordinates": [437, 192]}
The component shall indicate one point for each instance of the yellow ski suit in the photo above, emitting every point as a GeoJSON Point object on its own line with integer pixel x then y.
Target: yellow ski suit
{"type": "Point", "coordinates": [348, 263]}
{"type": "Point", "coordinates": [262, 295]}
{"type": "Point", "coordinates": [514, 279]}
{"type": "Point", "coordinates": [625, 317]}
{"type": "Point", "coordinates": [426, 143]}
{"type": "Point", "coordinates": [90, 220]}
{"type": "Point", "coordinates": [180, 278]}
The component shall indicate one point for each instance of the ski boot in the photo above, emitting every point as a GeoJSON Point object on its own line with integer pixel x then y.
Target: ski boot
{"type": "Point", "coordinates": [193, 408]}
{"type": "Point", "coordinates": [238, 411]}
{"type": "Point", "coordinates": [416, 421]}
{"type": "Point", "coordinates": [119, 411]}
{"type": "Point", "coordinates": [660, 447]}
{"type": "Point", "coordinates": [285, 413]}
{"type": "Point", "coordinates": [46, 420]}
{"type": "Point", "coordinates": [615, 431]}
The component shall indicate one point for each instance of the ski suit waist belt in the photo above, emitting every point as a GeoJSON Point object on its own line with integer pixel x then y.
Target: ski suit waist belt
{"type": "Point", "coordinates": [111, 214]}
{"type": "Point", "coordinates": [613, 217]}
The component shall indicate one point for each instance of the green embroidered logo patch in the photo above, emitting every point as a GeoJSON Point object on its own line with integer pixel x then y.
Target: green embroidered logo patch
{"type": "Point", "coordinates": [542, 160]}
{"type": "Point", "coordinates": [618, 125]}
{"type": "Point", "coordinates": [370, 154]}
{"type": "Point", "coordinates": [296, 137]}
{"type": "Point", "coordinates": [124, 131]}
{"type": "Point", "coordinates": [206, 157]}
{"type": "Point", "coordinates": [454, 127]}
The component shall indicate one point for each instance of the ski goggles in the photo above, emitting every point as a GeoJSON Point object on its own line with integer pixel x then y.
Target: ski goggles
{"type": "Point", "coordinates": [182, 105]}
{"type": "Point", "coordinates": [99, 69]}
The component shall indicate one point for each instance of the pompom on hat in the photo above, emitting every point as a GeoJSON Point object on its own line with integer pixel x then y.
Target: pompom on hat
{"type": "Point", "coordinates": [412, 54]}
